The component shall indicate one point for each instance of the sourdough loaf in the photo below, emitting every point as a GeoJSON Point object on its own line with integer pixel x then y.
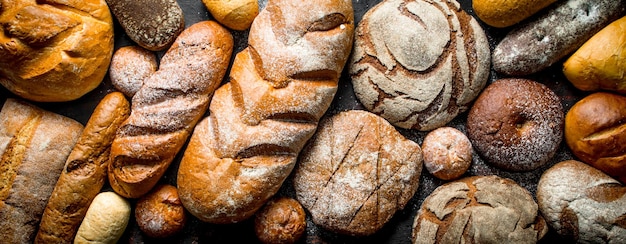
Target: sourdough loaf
{"type": "Point", "coordinates": [280, 86]}
{"type": "Point", "coordinates": [84, 173]}
{"type": "Point", "coordinates": [54, 50]}
{"type": "Point", "coordinates": [167, 107]}
{"type": "Point", "coordinates": [34, 145]}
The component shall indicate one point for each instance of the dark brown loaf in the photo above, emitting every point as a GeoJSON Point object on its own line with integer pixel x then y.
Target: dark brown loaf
{"type": "Point", "coordinates": [583, 204]}
{"type": "Point", "coordinates": [54, 50]}
{"type": "Point", "coordinates": [168, 106]}
{"type": "Point", "coordinates": [553, 35]}
{"type": "Point", "coordinates": [152, 24]}
{"type": "Point", "coordinates": [419, 64]}
{"type": "Point", "coordinates": [160, 213]}
{"type": "Point", "coordinates": [34, 145]}
{"type": "Point", "coordinates": [84, 173]}
{"type": "Point", "coordinates": [279, 88]}
{"type": "Point", "coordinates": [595, 130]}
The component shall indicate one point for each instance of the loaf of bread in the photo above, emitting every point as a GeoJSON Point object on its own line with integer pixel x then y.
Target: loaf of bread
{"type": "Point", "coordinates": [600, 64]}
{"type": "Point", "coordinates": [582, 204]}
{"type": "Point", "coordinates": [34, 145]}
{"type": "Point", "coordinates": [152, 24]}
{"type": "Point", "coordinates": [505, 13]}
{"type": "Point", "coordinates": [553, 35]}
{"type": "Point", "coordinates": [167, 107]}
{"type": "Point", "coordinates": [54, 50]}
{"type": "Point", "coordinates": [105, 221]}
{"type": "Point", "coordinates": [596, 133]}
{"type": "Point", "coordinates": [130, 66]}
{"type": "Point", "coordinates": [84, 173]}
{"type": "Point", "coordinates": [279, 88]}
{"type": "Point", "coordinates": [234, 14]}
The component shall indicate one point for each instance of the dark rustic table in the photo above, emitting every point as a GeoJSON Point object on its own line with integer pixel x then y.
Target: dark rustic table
{"type": "Point", "coordinates": [398, 230]}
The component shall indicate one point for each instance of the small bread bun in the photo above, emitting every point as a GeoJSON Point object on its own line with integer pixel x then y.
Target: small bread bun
{"type": "Point", "coordinates": [282, 220]}
{"type": "Point", "coordinates": [130, 66]}
{"type": "Point", "coordinates": [160, 213]}
{"type": "Point", "coordinates": [596, 132]}
{"type": "Point", "coordinates": [234, 14]}
{"type": "Point", "coordinates": [106, 219]}
{"type": "Point", "coordinates": [447, 153]}
{"type": "Point", "coordinates": [505, 13]}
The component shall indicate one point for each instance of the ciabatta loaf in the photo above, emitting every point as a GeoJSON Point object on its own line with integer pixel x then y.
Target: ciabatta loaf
{"type": "Point", "coordinates": [280, 86]}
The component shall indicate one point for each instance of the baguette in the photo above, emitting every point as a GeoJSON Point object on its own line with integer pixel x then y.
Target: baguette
{"type": "Point", "coordinates": [84, 173]}
{"type": "Point", "coordinates": [167, 107]}
{"type": "Point", "coordinates": [34, 145]}
{"type": "Point", "coordinates": [280, 86]}
{"type": "Point", "coordinates": [553, 35]}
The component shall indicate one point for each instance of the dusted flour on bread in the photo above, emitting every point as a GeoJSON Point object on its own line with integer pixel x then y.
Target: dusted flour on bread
{"type": "Point", "coordinates": [419, 64]}
{"type": "Point", "coordinates": [280, 86]}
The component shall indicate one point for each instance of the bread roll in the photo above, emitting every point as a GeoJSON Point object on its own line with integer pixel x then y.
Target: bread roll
{"type": "Point", "coordinates": [551, 36]}
{"type": "Point", "coordinates": [160, 213]}
{"type": "Point", "coordinates": [130, 66]}
{"type": "Point", "coordinates": [419, 64]}
{"type": "Point", "coordinates": [505, 13]}
{"type": "Point", "coordinates": [84, 173]}
{"type": "Point", "coordinates": [152, 24]}
{"type": "Point", "coordinates": [281, 220]}
{"type": "Point", "coordinates": [582, 204]}
{"type": "Point", "coordinates": [600, 64]}
{"type": "Point", "coordinates": [596, 132]}
{"type": "Point", "coordinates": [279, 88]}
{"type": "Point", "coordinates": [167, 107]}
{"type": "Point", "coordinates": [105, 221]}
{"type": "Point", "coordinates": [54, 50]}
{"type": "Point", "coordinates": [447, 153]}
{"type": "Point", "coordinates": [34, 145]}
{"type": "Point", "coordinates": [234, 14]}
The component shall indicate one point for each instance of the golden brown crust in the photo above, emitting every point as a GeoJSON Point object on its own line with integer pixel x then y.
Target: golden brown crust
{"type": "Point", "coordinates": [84, 173]}
{"type": "Point", "coordinates": [167, 107]}
{"type": "Point", "coordinates": [234, 14]}
{"type": "Point", "coordinates": [160, 213]}
{"type": "Point", "coordinates": [34, 145]}
{"type": "Point", "coordinates": [596, 132]}
{"type": "Point", "coordinates": [52, 54]}
{"type": "Point", "coordinates": [282, 220]}
{"type": "Point", "coordinates": [505, 13]}
{"type": "Point", "coordinates": [279, 88]}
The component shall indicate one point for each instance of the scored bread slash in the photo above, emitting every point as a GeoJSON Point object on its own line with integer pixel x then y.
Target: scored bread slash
{"type": "Point", "coordinates": [152, 24]}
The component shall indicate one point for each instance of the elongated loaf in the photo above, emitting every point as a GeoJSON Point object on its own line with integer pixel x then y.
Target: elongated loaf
{"type": "Point", "coordinates": [34, 145]}
{"type": "Point", "coordinates": [280, 86]}
{"type": "Point", "coordinates": [167, 107]}
{"type": "Point", "coordinates": [84, 173]}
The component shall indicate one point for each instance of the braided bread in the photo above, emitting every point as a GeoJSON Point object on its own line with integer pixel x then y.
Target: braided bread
{"type": "Point", "coordinates": [279, 88]}
{"type": "Point", "coordinates": [167, 107]}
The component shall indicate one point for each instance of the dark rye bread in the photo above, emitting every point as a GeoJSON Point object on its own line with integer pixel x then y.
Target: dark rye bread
{"type": "Point", "coordinates": [583, 204]}
{"type": "Point", "coordinates": [34, 145]}
{"type": "Point", "coordinates": [479, 209]}
{"type": "Point", "coordinates": [356, 172]}
{"type": "Point", "coordinates": [419, 63]}
{"type": "Point", "coordinates": [549, 37]}
{"type": "Point", "coordinates": [516, 124]}
{"type": "Point", "coordinates": [152, 24]}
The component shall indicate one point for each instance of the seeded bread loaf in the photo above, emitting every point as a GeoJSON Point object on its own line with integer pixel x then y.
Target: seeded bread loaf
{"type": "Point", "coordinates": [34, 145]}
{"type": "Point", "coordinates": [279, 88]}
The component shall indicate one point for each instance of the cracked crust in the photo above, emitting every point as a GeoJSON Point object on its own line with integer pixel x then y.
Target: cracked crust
{"type": "Point", "coordinates": [356, 173]}
{"type": "Point", "coordinates": [516, 124]}
{"type": "Point", "coordinates": [160, 213]}
{"type": "Point", "coordinates": [412, 81]}
{"type": "Point", "coordinates": [479, 209]}
{"type": "Point", "coordinates": [447, 153]}
{"type": "Point", "coordinates": [582, 203]}
{"type": "Point", "coordinates": [282, 220]}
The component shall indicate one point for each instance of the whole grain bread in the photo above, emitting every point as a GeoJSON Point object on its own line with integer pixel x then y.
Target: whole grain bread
{"type": "Point", "coordinates": [84, 173]}
{"type": "Point", "coordinates": [167, 107]}
{"type": "Point", "coordinates": [279, 88]}
{"type": "Point", "coordinates": [34, 145]}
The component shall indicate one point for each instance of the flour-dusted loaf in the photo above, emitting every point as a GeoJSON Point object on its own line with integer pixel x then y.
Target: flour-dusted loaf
{"type": "Point", "coordinates": [356, 173]}
{"type": "Point", "coordinates": [84, 173]}
{"type": "Point", "coordinates": [583, 204]}
{"type": "Point", "coordinates": [34, 145]}
{"type": "Point", "coordinates": [280, 86]}
{"type": "Point", "coordinates": [152, 24]}
{"type": "Point", "coordinates": [419, 64]}
{"type": "Point", "coordinates": [130, 66]}
{"type": "Point", "coordinates": [479, 209]}
{"type": "Point", "coordinates": [167, 107]}
{"type": "Point", "coordinates": [537, 44]}
{"type": "Point", "coordinates": [54, 50]}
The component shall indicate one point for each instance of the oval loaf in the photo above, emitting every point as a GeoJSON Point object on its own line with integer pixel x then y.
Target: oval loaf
{"type": "Point", "coordinates": [505, 13]}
